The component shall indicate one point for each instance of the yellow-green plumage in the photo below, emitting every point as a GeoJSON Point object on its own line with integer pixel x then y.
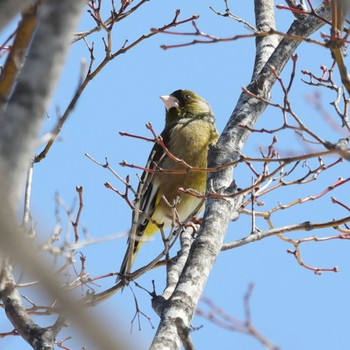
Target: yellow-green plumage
{"type": "Point", "coordinates": [188, 132]}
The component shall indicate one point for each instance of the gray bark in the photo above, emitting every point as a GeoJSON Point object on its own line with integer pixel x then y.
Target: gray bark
{"type": "Point", "coordinates": [205, 249]}
{"type": "Point", "coordinates": [19, 126]}
{"type": "Point", "coordinates": [10, 8]}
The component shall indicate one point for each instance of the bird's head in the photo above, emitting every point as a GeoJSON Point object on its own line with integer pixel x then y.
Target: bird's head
{"type": "Point", "coordinates": [185, 104]}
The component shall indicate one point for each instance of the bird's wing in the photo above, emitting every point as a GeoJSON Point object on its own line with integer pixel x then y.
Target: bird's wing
{"type": "Point", "coordinates": [145, 204]}
{"type": "Point", "coordinates": [148, 188]}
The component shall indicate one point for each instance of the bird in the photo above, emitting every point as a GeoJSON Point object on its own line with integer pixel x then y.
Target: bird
{"type": "Point", "coordinates": [188, 133]}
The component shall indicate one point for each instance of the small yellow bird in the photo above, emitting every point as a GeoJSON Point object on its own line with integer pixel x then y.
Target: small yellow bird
{"type": "Point", "coordinates": [189, 130]}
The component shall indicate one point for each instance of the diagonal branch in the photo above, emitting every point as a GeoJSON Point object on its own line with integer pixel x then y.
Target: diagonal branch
{"type": "Point", "coordinates": [19, 127]}
{"type": "Point", "coordinates": [17, 53]}
{"type": "Point", "coordinates": [9, 9]}
{"type": "Point", "coordinates": [218, 211]}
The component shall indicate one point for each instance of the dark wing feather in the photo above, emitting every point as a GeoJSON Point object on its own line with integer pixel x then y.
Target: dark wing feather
{"type": "Point", "coordinates": [146, 190]}
{"type": "Point", "coordinates": [147, 194]}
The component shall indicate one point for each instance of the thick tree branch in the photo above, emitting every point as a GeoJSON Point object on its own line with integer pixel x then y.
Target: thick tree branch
{"type": "Point", "coordinates": [14, 240]}
{"type": "Point", "coordinates": [219, 212]}
{"type": "Point", "coordinates": [9, 9]}
{"type": "Point", "coordinates": [27, 105]}
{"type": "Point", "coordinates": [39, 338]}
{"type": "Point", "coordinates": [265, 45]}
{"type": "Point", "coordinates": [20, 124]}
{"type": "Point", "coordinates": [16, 56]}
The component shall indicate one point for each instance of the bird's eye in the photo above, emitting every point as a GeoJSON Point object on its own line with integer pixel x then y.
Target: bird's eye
{"type": "Point", "coordinates": [187, 97]}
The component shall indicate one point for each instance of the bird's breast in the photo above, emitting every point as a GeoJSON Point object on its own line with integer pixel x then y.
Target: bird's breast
{"type": "Point", "coordinates": [190, 141]}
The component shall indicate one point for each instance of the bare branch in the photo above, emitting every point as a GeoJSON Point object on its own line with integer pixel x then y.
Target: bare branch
{"type": "Point", "coordinates": [218, 212]}
{"type": "Point", "coordinates": [17, 53]}
{"type": "Point", "coordinates": [304, 226]}
{"type": "Point", "coordinates": [9, 8]}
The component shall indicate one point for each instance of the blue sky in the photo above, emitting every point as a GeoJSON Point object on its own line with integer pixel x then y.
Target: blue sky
{"type": "Point", "coordinates": [291, 306]}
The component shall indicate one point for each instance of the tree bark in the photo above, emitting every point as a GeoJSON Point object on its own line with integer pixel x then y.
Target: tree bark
{"type": "Point", "coordinates": [19, 126]}
{"type": "Point", "coordinates": [205, 249]}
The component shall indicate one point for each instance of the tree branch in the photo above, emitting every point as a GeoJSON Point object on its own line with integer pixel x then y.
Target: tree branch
{"type": "Point", "coordinates": [16, 56]}
{"type": "Point", "coordinates": [9, 8]}
{"type": "Point", "coordinates": [20, 124]}
{"type": "Point", "coordinates": [219, 212]}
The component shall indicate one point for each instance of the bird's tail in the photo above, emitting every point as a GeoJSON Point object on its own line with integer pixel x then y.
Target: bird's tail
{"type": "Point", "coordinates": [134, 245]}
{"type": "Point", "coordinates": [128, 261]}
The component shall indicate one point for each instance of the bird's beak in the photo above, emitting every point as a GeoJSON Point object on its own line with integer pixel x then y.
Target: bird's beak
{"type": "Point", "coordinates": [169, 101]}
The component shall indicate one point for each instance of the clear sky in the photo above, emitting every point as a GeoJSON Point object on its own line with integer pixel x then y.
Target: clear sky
{"type": "Point", "coordinates": [291, 306]}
